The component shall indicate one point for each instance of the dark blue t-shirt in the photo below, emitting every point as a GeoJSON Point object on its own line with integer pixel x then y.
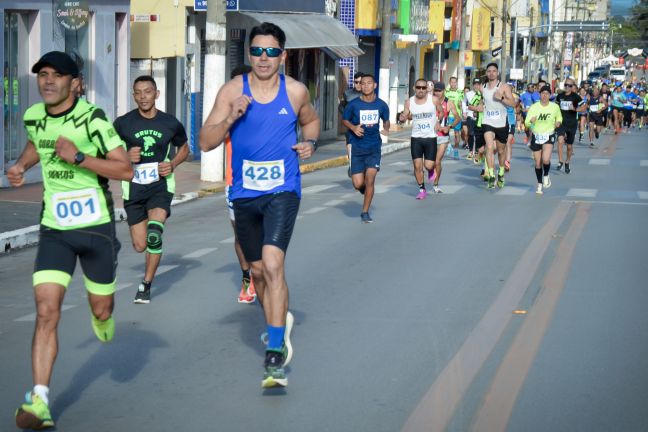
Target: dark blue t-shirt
{"type": "Point", "coordinates": [369, 115]}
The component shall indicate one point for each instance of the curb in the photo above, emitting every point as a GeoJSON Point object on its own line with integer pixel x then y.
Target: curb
{"type": "Point", "coordinates": [24, 237]}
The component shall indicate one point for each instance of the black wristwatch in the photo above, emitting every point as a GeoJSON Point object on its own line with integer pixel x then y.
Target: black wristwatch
{"type": "Point", "coordinates": [314, 142]}
{"type": "Point", "coordinates": [79, 157]}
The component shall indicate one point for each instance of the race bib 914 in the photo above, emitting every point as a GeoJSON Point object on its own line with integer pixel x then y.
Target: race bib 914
{"type": "Point", "coordinates": [263, 176]}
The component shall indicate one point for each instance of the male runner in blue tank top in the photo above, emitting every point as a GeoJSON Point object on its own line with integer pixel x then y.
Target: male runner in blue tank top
{"type": "Point", "coordinates": [261, 111]}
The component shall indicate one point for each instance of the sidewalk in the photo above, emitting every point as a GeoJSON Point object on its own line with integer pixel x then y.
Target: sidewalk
{"type": "Point", "coordinates": [20, 207]}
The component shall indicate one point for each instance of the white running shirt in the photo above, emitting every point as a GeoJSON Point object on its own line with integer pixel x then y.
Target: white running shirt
{"type": "Point", "coordinates": [423, 118]}
{"type": "Point", "coordinates": [494, 111]}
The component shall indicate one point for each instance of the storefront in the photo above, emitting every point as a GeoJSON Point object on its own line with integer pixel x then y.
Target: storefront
{"type": "Point", "coordinates": [95, 35]}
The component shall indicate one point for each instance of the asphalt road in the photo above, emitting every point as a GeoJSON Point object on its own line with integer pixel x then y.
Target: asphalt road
{"type": "Point", "coordinates": [471, 310]}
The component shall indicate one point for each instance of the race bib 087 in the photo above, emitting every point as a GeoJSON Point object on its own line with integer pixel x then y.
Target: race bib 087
{"type": "Point", "coordinates": [263, 176]}
{"type": "Point", "coordinates": [79, 207]}
{"type": "Point", "coordinates": [369, 117]}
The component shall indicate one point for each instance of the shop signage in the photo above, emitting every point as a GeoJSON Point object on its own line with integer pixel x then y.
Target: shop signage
{"type": "Point", "coordinates": [200, 5]}
{"type": "Point", "coordinates": [72, 14]}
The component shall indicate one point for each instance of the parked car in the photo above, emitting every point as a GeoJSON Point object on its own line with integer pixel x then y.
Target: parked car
{"type": "Point", "coordinates": [595, 75]}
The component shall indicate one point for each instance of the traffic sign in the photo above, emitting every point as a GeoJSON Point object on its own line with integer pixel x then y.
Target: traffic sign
{"type": "Point", "coordinates": [232, 5]}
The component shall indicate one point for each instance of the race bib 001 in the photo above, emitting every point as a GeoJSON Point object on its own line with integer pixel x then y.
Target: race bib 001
{"type": "Point", "coordinates": [146, 173]}
{"type": "Point", "coordinates": [369, 117]}
{"type": "Point", "coordinates": [263, 176]}
{"type": "Point", "coordinates": [542, 138]}
{"type": "Point", "coordinates": [566, 105]}
{"type": "Point", "coordinates": [79, 207]}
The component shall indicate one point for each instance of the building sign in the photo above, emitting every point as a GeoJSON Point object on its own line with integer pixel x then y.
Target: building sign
{"type": "Point", "coordinates": [144, 18]}
{"type": "Point", "coordinates": [231, 5]}
{"type": "Point", "coordinates": [517, 74]}
{"type": "Point", "coordinates": [200, 5]}
{"type": "Point", "coordinates": [437, 19]}
{"type": "Point", "coordinates": [72, 14]}
{"type": "Point", "coordinates": [480, 29]}
{"type": "Point", "coordinates": [367, 15]}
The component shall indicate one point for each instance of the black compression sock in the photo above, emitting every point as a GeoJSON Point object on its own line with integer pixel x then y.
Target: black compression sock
{"type": "Point", "coordinates": [546, 168]}
{"type": "Point", "coordinates": [538, 172]}
{"type": "Point", "coordinates": [246, 273]}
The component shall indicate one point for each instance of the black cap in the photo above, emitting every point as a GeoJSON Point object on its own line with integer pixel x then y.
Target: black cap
{"type": "Point", "coordinates": [439, 86]}
{"type": "Point", "coordinates": [477, 81]}
{"type": "Point", "coordinates": [545, 89]}
{"type": "Point", "coordinates": [60, 61]}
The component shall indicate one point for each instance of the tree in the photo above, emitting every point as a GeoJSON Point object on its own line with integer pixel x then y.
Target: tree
{"type": "Point", "coordinates": [639, 18]}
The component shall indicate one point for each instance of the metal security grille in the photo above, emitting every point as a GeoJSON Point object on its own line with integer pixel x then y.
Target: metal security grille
{"type": "Point", "coordinates": [347, 17]}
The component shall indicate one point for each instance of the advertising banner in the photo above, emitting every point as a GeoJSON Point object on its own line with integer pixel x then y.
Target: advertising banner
{"type": "Point", "coordinates": [480, 34]}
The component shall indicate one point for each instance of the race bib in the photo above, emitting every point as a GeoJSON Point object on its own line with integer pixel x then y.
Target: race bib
{"type": "Point", "coordinates": [424, 126]}
{"type": "Point", "coordinates": [146, 173]}
{"type": "Point", "coordinates": [566, 105]}
{"type": "Point", "coordinates": [78, 207]}
{"type": "Point", "coordinates": [492, 114]}
{"type": "Point", "coordinates": [542, 138]}
{"type": "Point", "coordinates": [369, 117]}
{"type": "Point", "coordinates": [594, 108]}
{"type": "Point", "coordinates": [263, 176]}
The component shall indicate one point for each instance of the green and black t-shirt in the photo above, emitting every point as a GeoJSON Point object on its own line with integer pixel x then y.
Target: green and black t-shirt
{"type": "Point", "coordinates": [155, 136]}
{"type": "Point", "coordinates": [74, 197]}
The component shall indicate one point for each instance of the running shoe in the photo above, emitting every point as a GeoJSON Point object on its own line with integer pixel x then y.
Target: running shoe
{"type": "Point", "coordinates": [274, 374]}
{"type": "Point", "coordinates": [477, 160]}
{"type": "Point", "coordinates": [104, 330]}
{"type": "Point", "coordinates": [436, 189]}
{"type": "Point", "coordinates": [539, 189]}
{"type": "Point", "coordinates": [365, 218]}
{"type": "Point", "coordinates": [247, 295]}
{"type": "Point", "coordinates": [567, 169]}
{"type": "Point", "coordinates": [591, 144]}
{"type": "Point", "coordinates": [491, 183]}
{"type": "Point", "coordinates": [546, 182]}
{"type": "Point", "coordinates": [507, 165]}
{"type": "Point", "coordinates": [559, 166]}
{"type": "Point", "coordinates": [432, 175]}
{"type": "Point", "coordinates": [500, 181]}
{"type": "Point", "coordinates": [596, 134]}
{"type": "Point", "coordinates": [287, 349]}
{"type": "Point", "coordinates": [34, 413]}
{"type": "Point", "coordinates": [469, 155]}
{"type": "Point", "coordinates": [143, 295]}
{"type": "Point", "coordinates": [421, 195]}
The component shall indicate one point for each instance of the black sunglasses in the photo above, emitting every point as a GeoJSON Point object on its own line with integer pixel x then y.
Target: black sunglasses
{"type": "Point", "coordinates": [357, 82]}
{"type": "Point", "coordinates": [421, 87]}
{"type": "Point", "coordinates": [270, 52]}
{"type": "Point", "coordinates": [569, 85]}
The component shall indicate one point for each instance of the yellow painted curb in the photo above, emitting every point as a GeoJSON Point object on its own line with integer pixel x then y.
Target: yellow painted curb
{"type": "Point", "coordinates": [327, 163]}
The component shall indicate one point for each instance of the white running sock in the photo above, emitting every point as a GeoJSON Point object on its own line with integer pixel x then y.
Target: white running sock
{"type": "Point", "coordinates": [43, 392]}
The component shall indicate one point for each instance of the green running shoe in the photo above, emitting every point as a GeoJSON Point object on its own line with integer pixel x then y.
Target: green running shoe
{"type": "Point", "coordinates": [34, 413]}
{"type": "Point", "coordinates": [274, 374]}
{"type": "Point", "coordinates": [500, 181]}
{"type": "Point", "coordinates": [491, 183]}
{"type": "Point", "coordinates": [105, 330]}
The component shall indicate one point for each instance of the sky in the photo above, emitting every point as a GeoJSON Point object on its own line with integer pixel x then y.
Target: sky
{"type": "Point", "coordinates": [621, 7]}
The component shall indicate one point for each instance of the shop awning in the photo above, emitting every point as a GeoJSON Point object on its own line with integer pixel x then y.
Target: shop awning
{"type": "Point", "coordinates": [307, 30]}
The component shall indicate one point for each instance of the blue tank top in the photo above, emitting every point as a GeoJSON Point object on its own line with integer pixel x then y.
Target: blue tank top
{"type": "Point", "coordinates": [263, 161]}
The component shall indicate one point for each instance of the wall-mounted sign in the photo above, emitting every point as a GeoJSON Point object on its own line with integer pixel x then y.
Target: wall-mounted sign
{"type": "Point", "coordinates": [145, 18]}
{"type": "Point", "coordinates": [72, 14]}
{"type": "Point", "coordinates": [200, 5]}
{"type": "Point", "coordinates": [232, 5]}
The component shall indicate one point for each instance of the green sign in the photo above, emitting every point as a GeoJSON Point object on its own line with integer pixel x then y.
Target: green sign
{"type": "Point", "coordinates": [404, 16]}
{"type": "Point", "coordinates": [72, 14]}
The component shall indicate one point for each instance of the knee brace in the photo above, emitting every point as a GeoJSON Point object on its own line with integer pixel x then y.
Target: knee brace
{"type": "Point", "coordinates": [154, 230]}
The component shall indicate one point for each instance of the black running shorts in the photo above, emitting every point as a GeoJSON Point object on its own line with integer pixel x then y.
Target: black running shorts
{"type": "Point", "coordinates": [265, 220]}
{"type": "Point", "coordinates": [501, 134]}
{"type": "Point", "coordinates": [569, 132]}
{"type": "Point", "coordinates": [96, 248]}
{"type": "Point", "coordinates": [597, 119]}
{"type": "Point", "coordinates": [424, 147]}
{"type": "Point", "coordinates": [479, 138]}
{"type": "Point", "coordinates": [537, 147]}
{"type": "Point", "coordinates": [137, 209]}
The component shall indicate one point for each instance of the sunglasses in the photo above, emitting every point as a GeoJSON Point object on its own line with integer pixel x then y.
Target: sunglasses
{"type": "Point", "coordinates": [270, 52]}
{"type": "Point", "coordinates": [421, 87]}
{"type": "Point", "coordinates": [357, 82]}
{"type": "Point", "coordinates": [569, 85]}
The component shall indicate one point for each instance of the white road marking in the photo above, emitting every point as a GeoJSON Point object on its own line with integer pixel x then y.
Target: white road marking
{"type": "Point", "coordinates": [300, 217]}
{"type": "Point", "coordinates": [643, 163]}
{"type": "Point", "coordinates": [599, 162]}
{"type": "Point", "coordinates": [642, 195]}
{"type": "Point", "coordinates": [227, 240]}
{"type": "Point", "coordinates": [349, 195]}
{"type": "Point", "coordinates": [379, 189]}
{"type": "Point", "coordinates": [333, 203]}
{"type": "Point", "coordinates": [199, 253]}
{"type": "Point", "coordinates": [121, 286]}
{"type": "Point", "coordinates": [317, 188]}
{"type": "Point", "coordinates": [314, 210]}
{"type": "Point", "coordinates": [165, 268]}
{"type": "Point", "coordinates": [449, 189]}
{"type": "Point", "coordinates": [399, 163]}
{"type": "Point", "coordinates": [582, 193]}
{"type": "Point", "coordinates": [32, 316]}
{"type": "Point", "coordinates": [512, 191]}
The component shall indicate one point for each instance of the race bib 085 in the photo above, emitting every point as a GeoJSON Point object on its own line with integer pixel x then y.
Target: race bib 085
{"type": "Point", "coordinates": [493, 114]}
{"type": "Point", "coordinates": [77, 207]}
{"type": "Point", "coordinates": [263, 176]}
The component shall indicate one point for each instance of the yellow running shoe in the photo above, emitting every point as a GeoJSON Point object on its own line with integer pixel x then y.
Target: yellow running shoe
{"type": "Point", "coordinates": [105, 330]}
{"type": "Point", "coordinates": [34, 413]}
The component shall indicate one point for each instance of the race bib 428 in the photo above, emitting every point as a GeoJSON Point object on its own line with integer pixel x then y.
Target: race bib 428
{"type": "Point", "coordinates": [263, 176]}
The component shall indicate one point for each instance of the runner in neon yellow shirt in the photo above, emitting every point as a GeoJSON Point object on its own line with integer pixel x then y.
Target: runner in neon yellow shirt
{"type": "Point", "coordinates": [543, 118]}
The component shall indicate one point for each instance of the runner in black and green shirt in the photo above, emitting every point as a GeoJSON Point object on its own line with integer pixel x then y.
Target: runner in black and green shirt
{"type": "Point", "coordinates": [79, 151]}
{"type": "Point", "coordinates": [543, 118]}
{"type": "Point", "coordinates": [149, 135]}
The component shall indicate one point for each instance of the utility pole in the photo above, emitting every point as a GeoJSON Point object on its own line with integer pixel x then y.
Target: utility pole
{"type": "Point", "coordinates": [550, 72]}
{"type": "Point", "coordinates": [211, 163]}
{"type": "Point", "coordinates": [528, 75]}
{"type": "Point", "coordinates": [502, 65]}
{"type": "Point", "coordinates": [562, 49]}
{"type": "Point", "coordinates": [461, 73]}
{"type": "Point", "coordinates": [385, 55]}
